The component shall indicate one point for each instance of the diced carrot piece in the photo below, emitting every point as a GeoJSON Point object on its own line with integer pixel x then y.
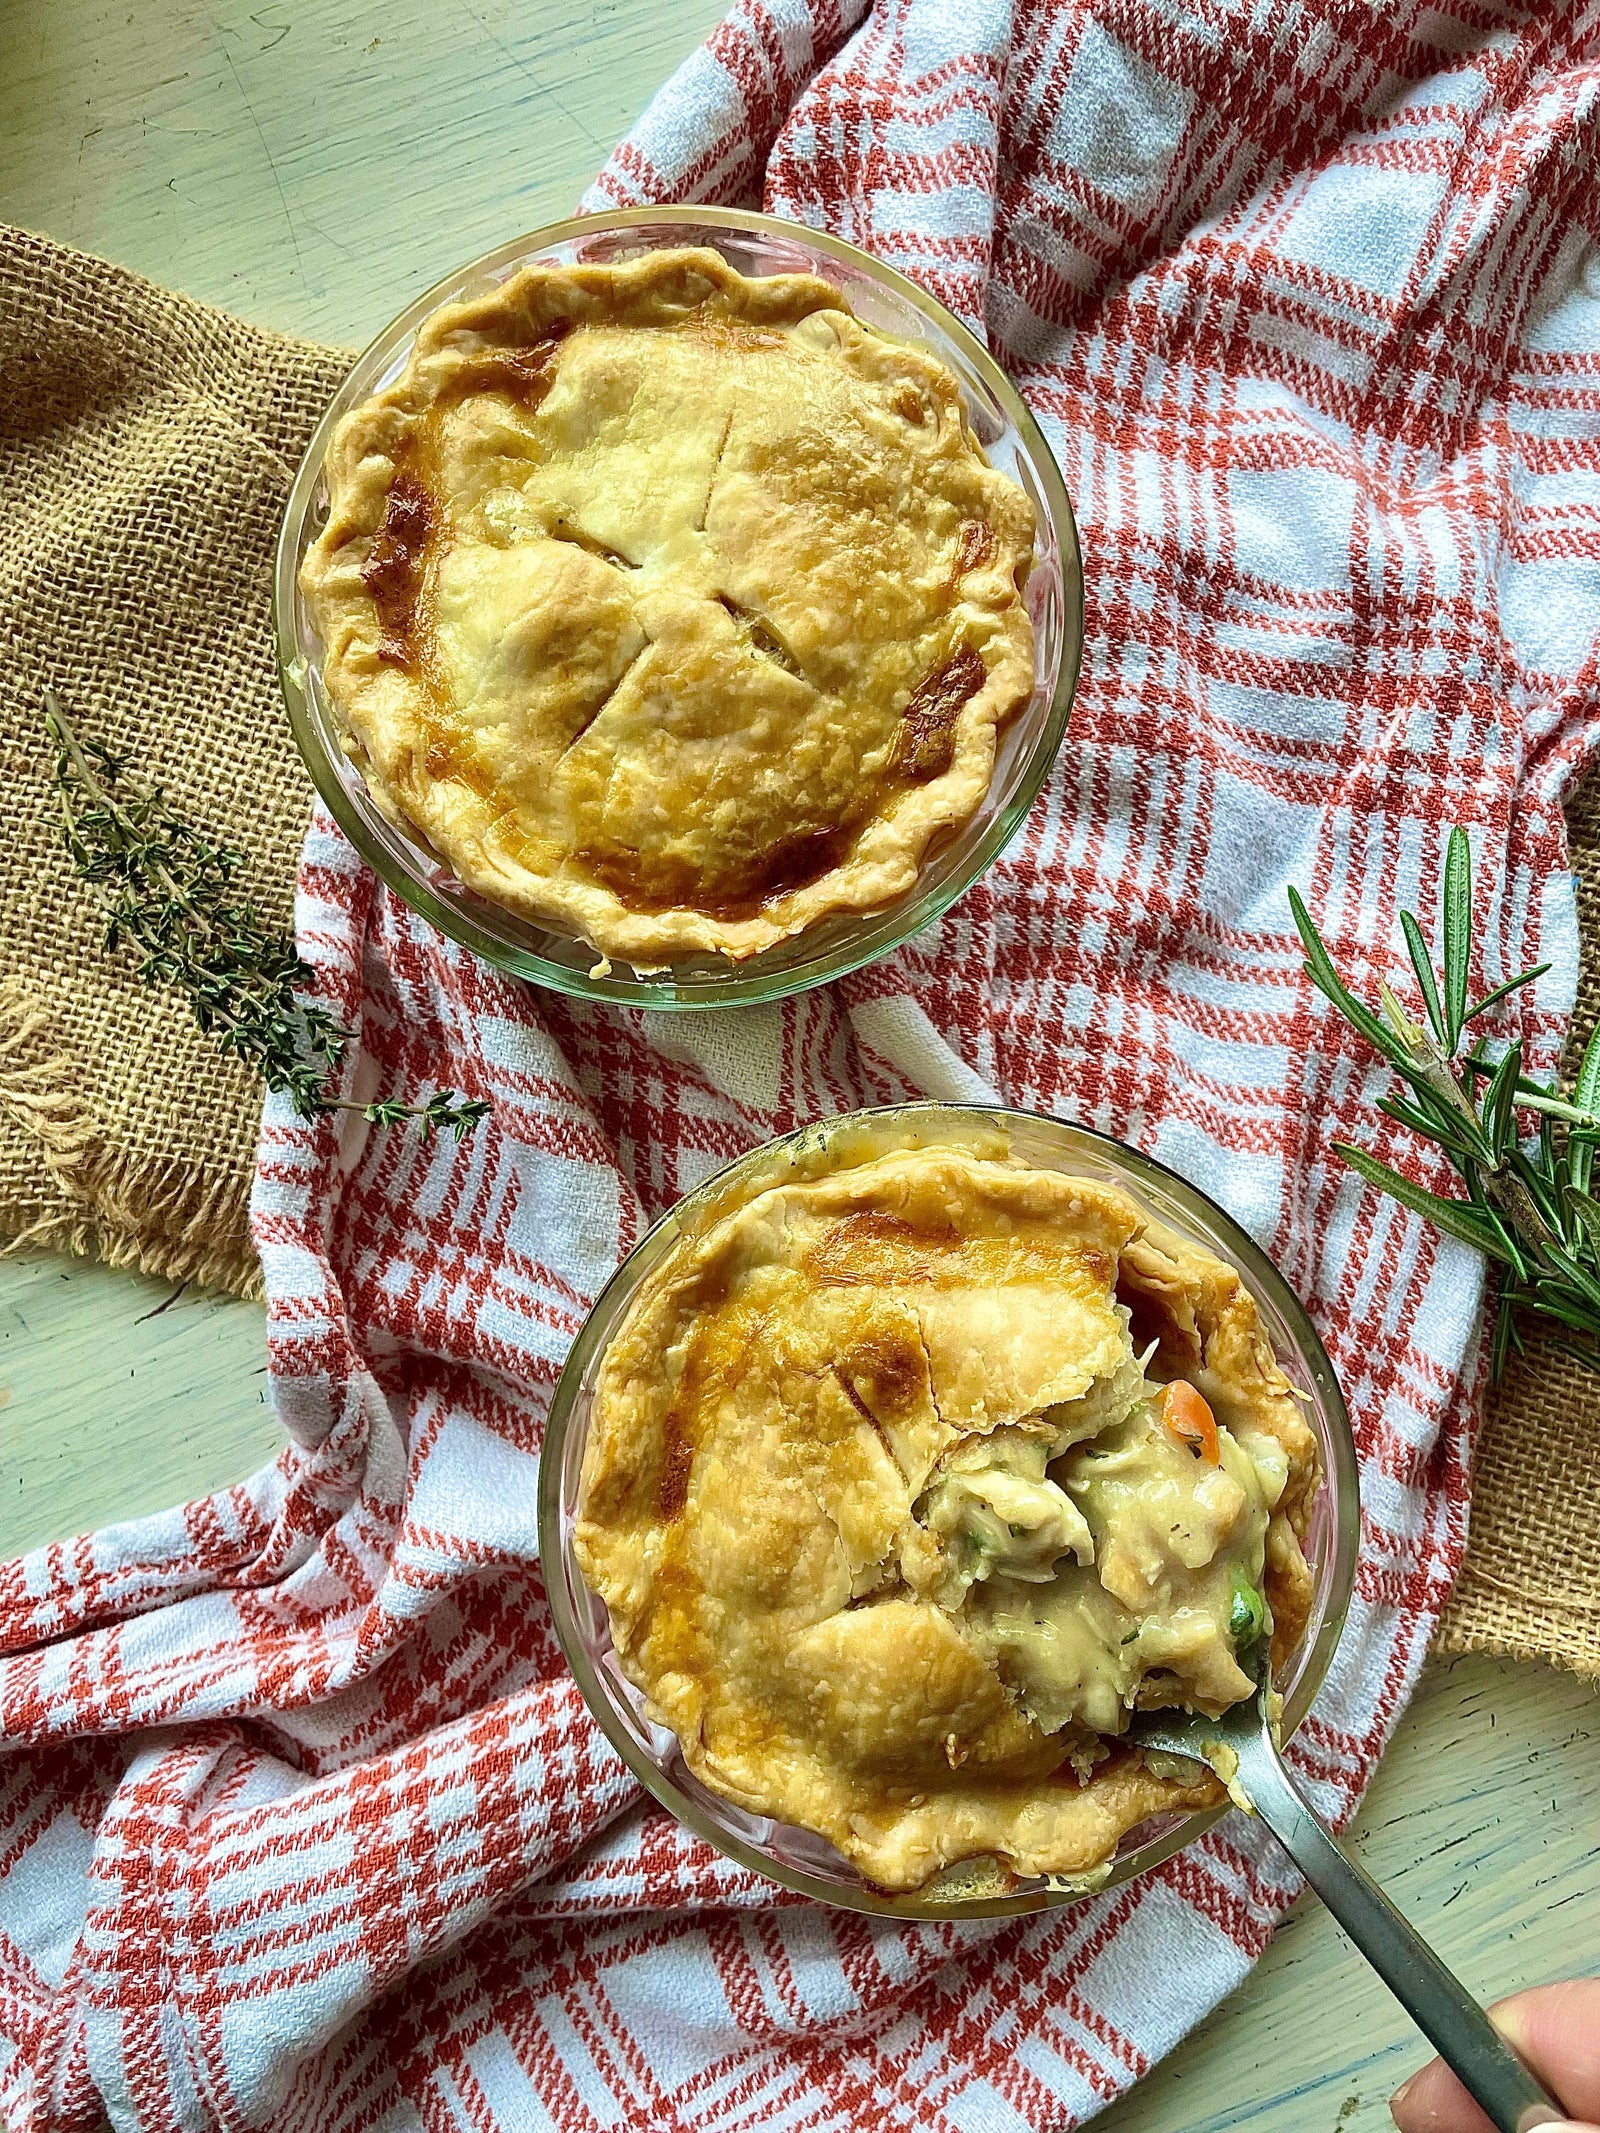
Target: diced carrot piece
{"type": "Point", "coordinates": [1187, 1416]}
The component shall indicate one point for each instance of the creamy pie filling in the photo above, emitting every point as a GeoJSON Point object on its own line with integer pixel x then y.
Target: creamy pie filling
{"type": "Point", "coordinates": [907, 1484]}
{"type": "Point", "coordinates": [674, 608]}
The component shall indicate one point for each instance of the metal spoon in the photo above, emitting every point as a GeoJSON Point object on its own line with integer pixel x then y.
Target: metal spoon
{"type": "Point", "coordinates": [1240, 1747]}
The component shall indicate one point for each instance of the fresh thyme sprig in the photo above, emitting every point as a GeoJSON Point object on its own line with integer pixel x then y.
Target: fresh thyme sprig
{"type": "Point", "coordinates": [1527, 1203]}
{"type": "Point", "coordinates": [172, 896]}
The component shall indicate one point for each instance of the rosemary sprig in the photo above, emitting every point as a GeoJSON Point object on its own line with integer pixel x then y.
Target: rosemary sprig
{"type": "Point", "coordinates": [1526, 1203]}
{"type": "Point", "coordinates": [172, 897]}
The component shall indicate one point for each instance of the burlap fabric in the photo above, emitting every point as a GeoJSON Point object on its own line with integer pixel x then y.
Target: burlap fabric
{"type": "Point", "coordinates": [1530, 1586]}
{"type": "Point", "coordinates": [146, 447]}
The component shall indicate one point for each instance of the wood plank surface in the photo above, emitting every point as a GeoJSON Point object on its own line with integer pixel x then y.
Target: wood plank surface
{"type": "Point", "coordinates": [311, 164]}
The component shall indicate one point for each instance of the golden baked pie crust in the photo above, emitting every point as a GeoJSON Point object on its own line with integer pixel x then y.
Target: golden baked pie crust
{"type": "Point", "coordinates": [675, 609]}
{"type": "Point", "coordinates": [763, 1424]}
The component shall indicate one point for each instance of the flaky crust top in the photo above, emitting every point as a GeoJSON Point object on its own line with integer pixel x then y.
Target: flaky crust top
{"type": "Point", "coordinates": [770, 1421]}
{"type": "Point", "coordinates": [674, 609]}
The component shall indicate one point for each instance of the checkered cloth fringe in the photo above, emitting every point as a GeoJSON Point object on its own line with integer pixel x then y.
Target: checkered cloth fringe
{"type": "Point", "coordinates": [304, 1825]}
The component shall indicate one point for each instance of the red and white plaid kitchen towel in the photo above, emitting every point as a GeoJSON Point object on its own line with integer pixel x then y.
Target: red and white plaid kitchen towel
{"type": "Point", "coordinates": [305, 1826]}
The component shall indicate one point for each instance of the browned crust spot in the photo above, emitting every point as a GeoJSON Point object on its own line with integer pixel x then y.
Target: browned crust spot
{"type": "Point", "coordinates": [525, 373]}
{"type": "Point", "coordinates": [925, 743]}
{"type": "Point", "coordinates": [975, 546]}
{"type": "Point", "coordinates": [392, 572]}
{"type": "Point", "coordinates": [651, 886]}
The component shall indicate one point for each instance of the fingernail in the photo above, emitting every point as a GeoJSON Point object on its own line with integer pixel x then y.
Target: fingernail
{"type": "Point", "coordinates": [1401, 2093]}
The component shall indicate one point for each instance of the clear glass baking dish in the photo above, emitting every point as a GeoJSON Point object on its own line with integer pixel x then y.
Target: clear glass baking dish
{"type": "Point", "coordinates": [797, 1858]}
{"type": "Point", "coordinates": [889, 304]}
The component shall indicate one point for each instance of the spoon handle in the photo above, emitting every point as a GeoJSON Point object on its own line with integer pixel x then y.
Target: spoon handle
{"type": "Point", "coordinates": [1440, 2005]}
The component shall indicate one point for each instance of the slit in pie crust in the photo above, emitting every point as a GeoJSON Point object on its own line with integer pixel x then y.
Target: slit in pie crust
{"type": "Point", "coordinates": [674, 609]}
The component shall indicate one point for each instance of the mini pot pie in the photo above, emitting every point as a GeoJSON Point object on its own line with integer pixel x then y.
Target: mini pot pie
{"type": "Point", "coordinates": [906, 1484]}
{"type": "Point", "coordinates": [674, 609]}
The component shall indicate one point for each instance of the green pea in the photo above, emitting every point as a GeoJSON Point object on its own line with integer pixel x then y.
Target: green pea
{"type": "Point", "coordinates": [1247, 1614]}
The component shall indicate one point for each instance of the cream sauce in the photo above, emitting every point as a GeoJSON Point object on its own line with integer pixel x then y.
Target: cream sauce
{"type": "Point", "coordinates": [1102, 1562]}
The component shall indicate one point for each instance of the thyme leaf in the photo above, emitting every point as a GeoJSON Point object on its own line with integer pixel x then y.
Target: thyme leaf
{"type": "Point", "coordinates": [171, 899]}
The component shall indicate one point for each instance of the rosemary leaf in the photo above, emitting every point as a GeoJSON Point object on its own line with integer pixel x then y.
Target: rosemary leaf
{"type": "Point", "coordinates": [1441, 1131]}
{"type": "Point", "coordinates": [1457, 934]}
{"type": "Point", "coordinates": [1589, 1357]}
{"type": "Point", "coordinates": [1498, 1103]}
{"type": "Point", "coordinates": [1510, 1250]}
{"type": "Point", "coordinates": [1319, 969]}
{"type": "Point", "coordinates": [1586, 1283]}
{"type": "Point", "coordinates": [1531, 1096]}
{"type": "Point", "coordinates": [1501, 992]}
{"type": "Point", "coordinates": [1455, 1217]}
{"type": "Point", "coordinates": [1550, 1300]}
{"type": "Point", "coordinates": [1422, 964]}
{"type": "Point", "coordinates": [1541, 1187]}
{"type": "Point", "coordinates": [1513, 1251]}
{"type": "Point", "coordinates": [1506, 1338]}
{"type": "Point", "coordinates": [1586, 1089]}
{"type": "Point", "coordinates": [1585, 1212]}
{"type": "Point", "coordinates": [1585, 1096]}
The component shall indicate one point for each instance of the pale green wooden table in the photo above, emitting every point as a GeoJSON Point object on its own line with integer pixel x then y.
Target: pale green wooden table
{"type": "Point", "coordinates": [313, 163]}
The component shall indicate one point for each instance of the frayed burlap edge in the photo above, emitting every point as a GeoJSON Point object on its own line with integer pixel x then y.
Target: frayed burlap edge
{"type": "Point", "coordinates": [169, 1220]}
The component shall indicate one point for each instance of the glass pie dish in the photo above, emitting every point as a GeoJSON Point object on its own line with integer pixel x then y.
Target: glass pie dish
{"type": "Point", "coordinates": [892, 308]}
{"type": "Point", "coordinates": [798, 1858]}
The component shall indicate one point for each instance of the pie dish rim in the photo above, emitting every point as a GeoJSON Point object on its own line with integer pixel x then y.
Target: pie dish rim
{"type": "Point", "coordinates": [823, 952]}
